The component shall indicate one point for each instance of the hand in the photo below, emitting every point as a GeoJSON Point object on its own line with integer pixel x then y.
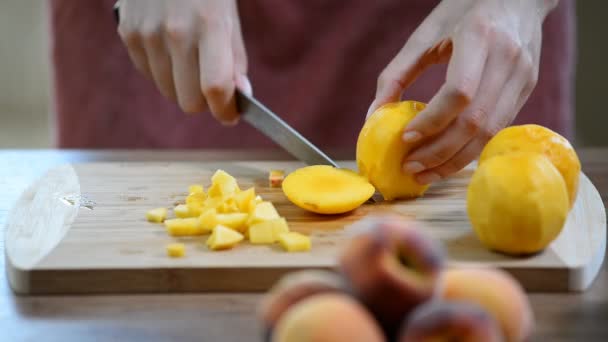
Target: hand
{"type": "Point", "coordinates": [192, 49]}
{"type": "Point", "coordinates": [492, 48]}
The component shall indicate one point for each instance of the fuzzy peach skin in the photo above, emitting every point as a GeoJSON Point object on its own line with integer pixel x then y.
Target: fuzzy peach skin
{"type": "Point", "coordinates": [450, 321]}
{"type": "Point", "coordinates": [293, 288]}
{"type": "Point", "coordinates": [327, 318]}
{"type": "Point", "coordinates": [392, 267]}
{"type": "Point", "coordinates": [498, 293]}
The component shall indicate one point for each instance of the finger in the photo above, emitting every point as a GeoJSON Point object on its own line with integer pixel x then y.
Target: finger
{"type": "Point", "coordinates": [240, 60]}
{"type": "Point", "coordinates": [184, 60]}
{"type": "Point", "coordinates": [216, 63]}
{"type": "Point", "coordinates": [459, 161]}
{"type": "Point", "coordinates": [513, 97]}
{"type": "Point", "coordinates": [466, 126]}
{"type": "Point", "coordinates": [399, 74]}
{"type": "Point", "coordinates": [238, 46]}
{"type": "Point", "coordinates": [160, 63]}
{"type": "Point", "coordinates": [243, 83]}
{"type": "Point", "coordinates": [135, 48]}
{"type": "Point", "coordinates": [469, 55]}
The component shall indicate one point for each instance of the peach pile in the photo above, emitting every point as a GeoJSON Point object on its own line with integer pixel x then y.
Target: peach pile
{"type": "Point", "coordinates": [523, 210]}
{"type": "Point", "coordinates": [391, 284]}
{"type": "Point", "coordinates": [229, 215]}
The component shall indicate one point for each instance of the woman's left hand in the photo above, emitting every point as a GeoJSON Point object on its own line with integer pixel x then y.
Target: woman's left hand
{"type": "Point", "coordinates": [492, 48]}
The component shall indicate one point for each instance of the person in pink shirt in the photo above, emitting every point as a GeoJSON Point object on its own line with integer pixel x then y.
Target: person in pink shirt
{"type": "Point", "coordinates": [321, 65]}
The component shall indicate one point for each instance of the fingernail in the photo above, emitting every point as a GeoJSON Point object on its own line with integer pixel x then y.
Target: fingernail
{"type": "Point", "coordinates": [243, 83]}
{"type": "Point", "coordinates": [428, 178]}
{"type": "Point", "coordinates": [412, 136]}
{"type": "Point", "coordinates": [230, 123]}
{"type": "Point", "coordinates": [371, 109]}
{"type": "Point", "coordinates": [413, 167]}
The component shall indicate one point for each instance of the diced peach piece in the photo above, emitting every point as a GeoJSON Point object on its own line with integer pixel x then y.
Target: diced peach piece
{"type": "Point", "coordinates": [157, 215]}
{"type": "Point", "coordinates": [275, 178]}
{"type": "Point", "coordinates": [181, 211]}
{"type": "Point", "coordinates": [261, 233]}
{"type": "Point", "coordinates": [268, 231]}
{"type": "Point", "coordinates": [184, 227]}
{"type": "Point", "coordinates": [194, 209]}
{"type": "Point", "coordinates": [294, 242]}
{"type": "Point", "coordinates": [196, 188]}
{"type": "Point", "coordinates": [196, 198]}
{"type": "Point", "coordinates": [223, 185]}
{"type": "Point", "coordinates": [244, 198]}
{"type": "Point", "coordinates": [263, 211]}
{"type": "Point", "coordinates": [212, 202]}
{"type": "Point", "coordinates": [223, 238]}
{"type": "Point", "coordinates": [176, 250]}
{"type": "Point", "coordinates": [228, 206]}
{"type": "Point", "coordinates": [235, 221]}
{"type": "Point", "coordinates": [208, 220]}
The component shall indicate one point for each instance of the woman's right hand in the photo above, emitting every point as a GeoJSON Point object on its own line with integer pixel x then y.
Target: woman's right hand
{"type": "Point", "coordinates": [192, 49]}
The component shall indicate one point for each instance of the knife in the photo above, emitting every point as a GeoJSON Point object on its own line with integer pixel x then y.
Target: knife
{"type": "Point", "coordinates": [271, 125]}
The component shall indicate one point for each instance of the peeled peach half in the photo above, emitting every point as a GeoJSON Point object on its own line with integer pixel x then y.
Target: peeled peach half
{"type": "Point", "coordinates": [327, 190]}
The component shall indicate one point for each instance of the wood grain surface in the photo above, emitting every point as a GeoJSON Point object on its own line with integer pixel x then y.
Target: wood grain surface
{"type": "Point", "coordinates": [223, 316]}
{"type": "Point", "coordinates": [81, 229]}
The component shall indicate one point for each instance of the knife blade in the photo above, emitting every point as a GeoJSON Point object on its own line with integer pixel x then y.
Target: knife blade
{"type": "Point", "coordinates": [264, 120]}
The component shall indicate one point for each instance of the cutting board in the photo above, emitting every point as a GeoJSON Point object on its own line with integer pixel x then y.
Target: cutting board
{"type": "Point", "coordinates": [81, 229]}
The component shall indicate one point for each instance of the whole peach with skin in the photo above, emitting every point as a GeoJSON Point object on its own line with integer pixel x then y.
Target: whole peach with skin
{"type": "Point", "coordinates": [495, 291]}
{"type": "Point", "coordinates": [293, 288]}
{"type": "Point", "coordinates": [450, 321]}
{"type": "Point", "coordinates": [392, 267]}
{"type": "Point", "coordinates": [327, 318]}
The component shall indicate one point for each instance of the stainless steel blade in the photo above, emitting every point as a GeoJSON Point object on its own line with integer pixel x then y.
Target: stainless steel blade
{"type": "Point", "coordinates": [264, 120]}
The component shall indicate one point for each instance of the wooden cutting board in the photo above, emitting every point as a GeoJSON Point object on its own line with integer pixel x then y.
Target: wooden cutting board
{"type": "Point", "coordinates": [81, 229]}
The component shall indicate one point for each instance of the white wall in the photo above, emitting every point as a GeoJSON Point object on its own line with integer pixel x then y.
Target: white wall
{"type": "Point", "coordinates": [24, 74]}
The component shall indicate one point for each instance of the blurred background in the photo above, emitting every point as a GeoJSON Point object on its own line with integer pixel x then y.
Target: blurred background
{"type": "Point", "coordinates": [25, 115]}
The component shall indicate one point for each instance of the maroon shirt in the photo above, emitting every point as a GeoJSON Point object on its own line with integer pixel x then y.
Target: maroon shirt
{"type": "Point", "coordinates": [314, 62]}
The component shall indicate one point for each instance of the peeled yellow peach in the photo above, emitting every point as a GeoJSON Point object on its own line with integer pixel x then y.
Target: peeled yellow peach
{"type": "Point", "coordinates": [517, 203]}
{"type": "Point", "coordinates": [380, 150]}
{"type": "Point", "coordinates": [539, 139]}
{"type": "Point", "coordinates": [325, 189]}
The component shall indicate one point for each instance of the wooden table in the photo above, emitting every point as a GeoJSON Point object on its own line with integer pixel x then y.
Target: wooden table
{"type": "Point", "coordinates": [223, 317]}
